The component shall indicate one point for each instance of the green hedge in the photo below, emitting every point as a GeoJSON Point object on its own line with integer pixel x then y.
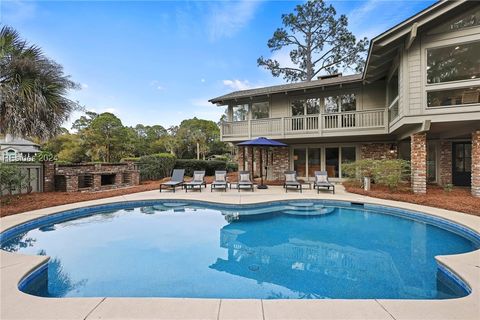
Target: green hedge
{"type": "Point", "coordinates": [210, 166]}
{"type": "Point", "coordinates": [156, 166]}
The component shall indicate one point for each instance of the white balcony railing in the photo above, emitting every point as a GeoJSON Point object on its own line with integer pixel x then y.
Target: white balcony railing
{"type": "Point", "coordinates": [309, 125]}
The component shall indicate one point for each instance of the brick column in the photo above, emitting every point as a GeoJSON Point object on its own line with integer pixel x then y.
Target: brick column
{"type": "Point", "coordinates": [445, 163]}
{"type": "Point", "coordinates": [48, 176]}
{"type": "Point", "coordinates": [97, 182]}
{"type": "Point", "coordinates": [135, 178]}
{"type": "Point", "coordinates": [476, 163]}
{"type": "Point", "coordinates": [280, 162]}
{"type": "Point", "coordinates": [71, 183]}
{"type": "Point", "coordinates": [240, 151]}
{"type": "Point", "coordinates": [419, 162]}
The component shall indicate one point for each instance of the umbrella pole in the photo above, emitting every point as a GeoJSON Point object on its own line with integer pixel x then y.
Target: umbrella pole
{"type": "Point", "coordinates": [261, 186]}
{"type": "Point", "coordinates": [243, 157]}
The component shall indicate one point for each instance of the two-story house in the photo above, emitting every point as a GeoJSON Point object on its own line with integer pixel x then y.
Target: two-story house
{"type": "Point", "coordinates": [418, 98]}
{"type": "Point", "coordinates": [17, 149]}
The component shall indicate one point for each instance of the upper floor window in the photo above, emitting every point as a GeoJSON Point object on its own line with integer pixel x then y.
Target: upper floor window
{"type": "Point", "coordinates": [453, 63]}
{"type": "Point", "coordinates": [240, 112]}
{"type": "Point", "coordinates": [305, 106]}
{"type": "Point", "coordinates": [392, 95]}
{"type": "Point", "coordinates": [453, 97]}
{"type": "Point", "coordinates": [342, 103]}
{"type": "Point", "coordinates": [260, 110]}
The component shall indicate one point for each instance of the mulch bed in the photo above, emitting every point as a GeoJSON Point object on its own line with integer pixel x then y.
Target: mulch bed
{"type": "Point", "coordinates": [459, 199]}
{"type": "Point", "coordinates": [26, 202]}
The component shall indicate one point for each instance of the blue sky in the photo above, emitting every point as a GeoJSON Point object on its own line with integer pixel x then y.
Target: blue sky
{"type": "Point", "coordinates": [158, 62]}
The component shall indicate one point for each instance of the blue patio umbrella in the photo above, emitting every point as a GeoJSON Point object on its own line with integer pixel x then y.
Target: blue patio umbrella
{"type": "Point", "coordinates": [261, 142]}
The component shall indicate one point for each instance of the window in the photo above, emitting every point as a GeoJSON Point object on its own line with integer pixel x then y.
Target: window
{"type": "Point", "coordinates": [300, 161]}
{"type": "Point", "coordinates": [240, 112]}
{"type": "Point", "coordinates": [260, 110]}
{"type": "Point", "coordinates": [343, 103]}
{"type": "Point", "coordinates": [348, 102]}
{"type": "Point", "coordinates": [305, 106]}
{"type": "Point", "coordinates": [314, 163]}
{"type": "Point", "coordinates": [312, 106]}
{"type": "Point", "coordinates": [332, 157]}
{"type": "Point", "coordinates": [453, 97]}
{"type": "Point", "coordinates": [331, 104]}
{"type": "Point", "coordinates": [392, 96]}
{"type": "Point", "coordinates": [453, 63]}
{"type": "Point", "coordinates": [298, 108]}
{"type": "Point", "coordinates": [348, 156]}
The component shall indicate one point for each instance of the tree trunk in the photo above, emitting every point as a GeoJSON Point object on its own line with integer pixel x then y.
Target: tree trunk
{"type": "Point", "coordinates": [198, 151]}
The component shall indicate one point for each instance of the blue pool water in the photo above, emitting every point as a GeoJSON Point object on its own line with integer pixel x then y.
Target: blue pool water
{"type": "Point", "coordinates": [285, 250]}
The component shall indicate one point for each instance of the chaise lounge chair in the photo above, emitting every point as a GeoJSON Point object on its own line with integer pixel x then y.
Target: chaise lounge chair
{"type": "Point", "coordinates": [244, 181]}
{"type": "Point", "coordinates": [220, 181]}
{"type": "Point", "coordinates": [198, 181]}
{"type": "Point", "coordinates": [321, 181]}
{"type": "Point", "coordinates": [291, 181]}
{"type": "Point", "coordinates": [175, 181]}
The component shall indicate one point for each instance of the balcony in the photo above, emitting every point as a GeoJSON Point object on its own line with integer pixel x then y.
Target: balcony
{"type": "Point", "coordinates": [321, 125]}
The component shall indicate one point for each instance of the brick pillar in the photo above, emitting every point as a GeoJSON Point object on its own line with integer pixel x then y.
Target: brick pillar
{"type": "Point", "coordinates": [257, 161]}
{"type": "Point", "coordinates": [118, 178]}
{"type": "Point", "coordinates": [71, 182]}
{"type": "Point", "coordinates": [476, 163]}
{"type": "Point", "coordinates": [445, 163]}
{"type": "Point", "coordinates": [48, 176]}
{"type": "Point", "coordinates": [280, 162]}
{"type": "Point", "coordinates": [135, 178]}
{"type": "Point", "coordinates": [419, 162]}
{"type": "Point", "coordinates": [97, 182]}
{"type": "Point", "coordinates": [240, 152]}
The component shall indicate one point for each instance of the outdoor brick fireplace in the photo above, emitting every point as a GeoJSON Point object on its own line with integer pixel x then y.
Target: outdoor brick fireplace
{"type": "Point", "coordinates": [92, 177]}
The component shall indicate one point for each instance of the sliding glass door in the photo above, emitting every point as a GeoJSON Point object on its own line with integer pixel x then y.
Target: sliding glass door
{"type": "Point", "coordinates": [300, 161]}
{"type": "Point", "coordinates": [307, 160]}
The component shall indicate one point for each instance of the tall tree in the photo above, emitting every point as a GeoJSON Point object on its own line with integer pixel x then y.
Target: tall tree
{"type": "Point", "coordinates": [33, 89]}
{"type": "Point", "coordinates": [106, 136]}
{"type": "Point", "coordinates": [318, 41]}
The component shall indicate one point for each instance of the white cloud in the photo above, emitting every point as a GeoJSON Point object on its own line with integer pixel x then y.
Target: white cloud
{"type": "Point", "coordinates": [202, 80]}
{"type": "Point", "coordinates": [227, 18]}
{"type": "Point", "coordinates": [84, 86]}
{"type": "Point", "coordinates": [110, 109]}
{"type": "Point", "coordinates": [237, 84]}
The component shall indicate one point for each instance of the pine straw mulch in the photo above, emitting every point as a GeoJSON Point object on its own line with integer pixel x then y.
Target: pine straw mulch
{"type": "Point", "coordinates": [459, 199]}
{"type": "Point", "coordinates": [26, 202]}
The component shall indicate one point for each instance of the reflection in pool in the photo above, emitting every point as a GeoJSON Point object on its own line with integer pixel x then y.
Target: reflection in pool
{"type": "Point", "coordinates": [294, 250]}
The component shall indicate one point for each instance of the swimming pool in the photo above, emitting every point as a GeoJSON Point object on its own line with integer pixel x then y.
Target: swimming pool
{"type": "Point", "coordinates": [282, 250]}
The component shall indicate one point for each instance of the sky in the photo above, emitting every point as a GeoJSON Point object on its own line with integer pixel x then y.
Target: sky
{"type": "Point", "coordinates": [159, 62]}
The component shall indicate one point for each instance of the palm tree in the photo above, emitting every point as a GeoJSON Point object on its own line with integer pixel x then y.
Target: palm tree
{"type": "Point", "coordinates": [33, 89]}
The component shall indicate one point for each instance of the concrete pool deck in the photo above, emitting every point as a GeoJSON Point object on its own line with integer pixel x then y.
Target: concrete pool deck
{"type": "Point", "coordinates": [17, 305]}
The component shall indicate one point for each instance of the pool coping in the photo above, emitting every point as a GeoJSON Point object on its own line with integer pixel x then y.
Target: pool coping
{"type": "Point", "coordinates": [18, 305]}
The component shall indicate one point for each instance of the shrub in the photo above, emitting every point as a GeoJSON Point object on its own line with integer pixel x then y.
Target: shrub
{"type": "Point", "coordinates": [156, 166]}
{"type": "Point", "coordinates": [13, 178]}
{"type": "Point", "coordinates": [448, 187]}
{"type": "Point", "coordinates": [130, 159]}
{"type": "Point", "coordinates": [232, 167]}
{"type": "Point", "coordinates": [210, 166]}
{"type": "Point", "coordinates": [385, 172]}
